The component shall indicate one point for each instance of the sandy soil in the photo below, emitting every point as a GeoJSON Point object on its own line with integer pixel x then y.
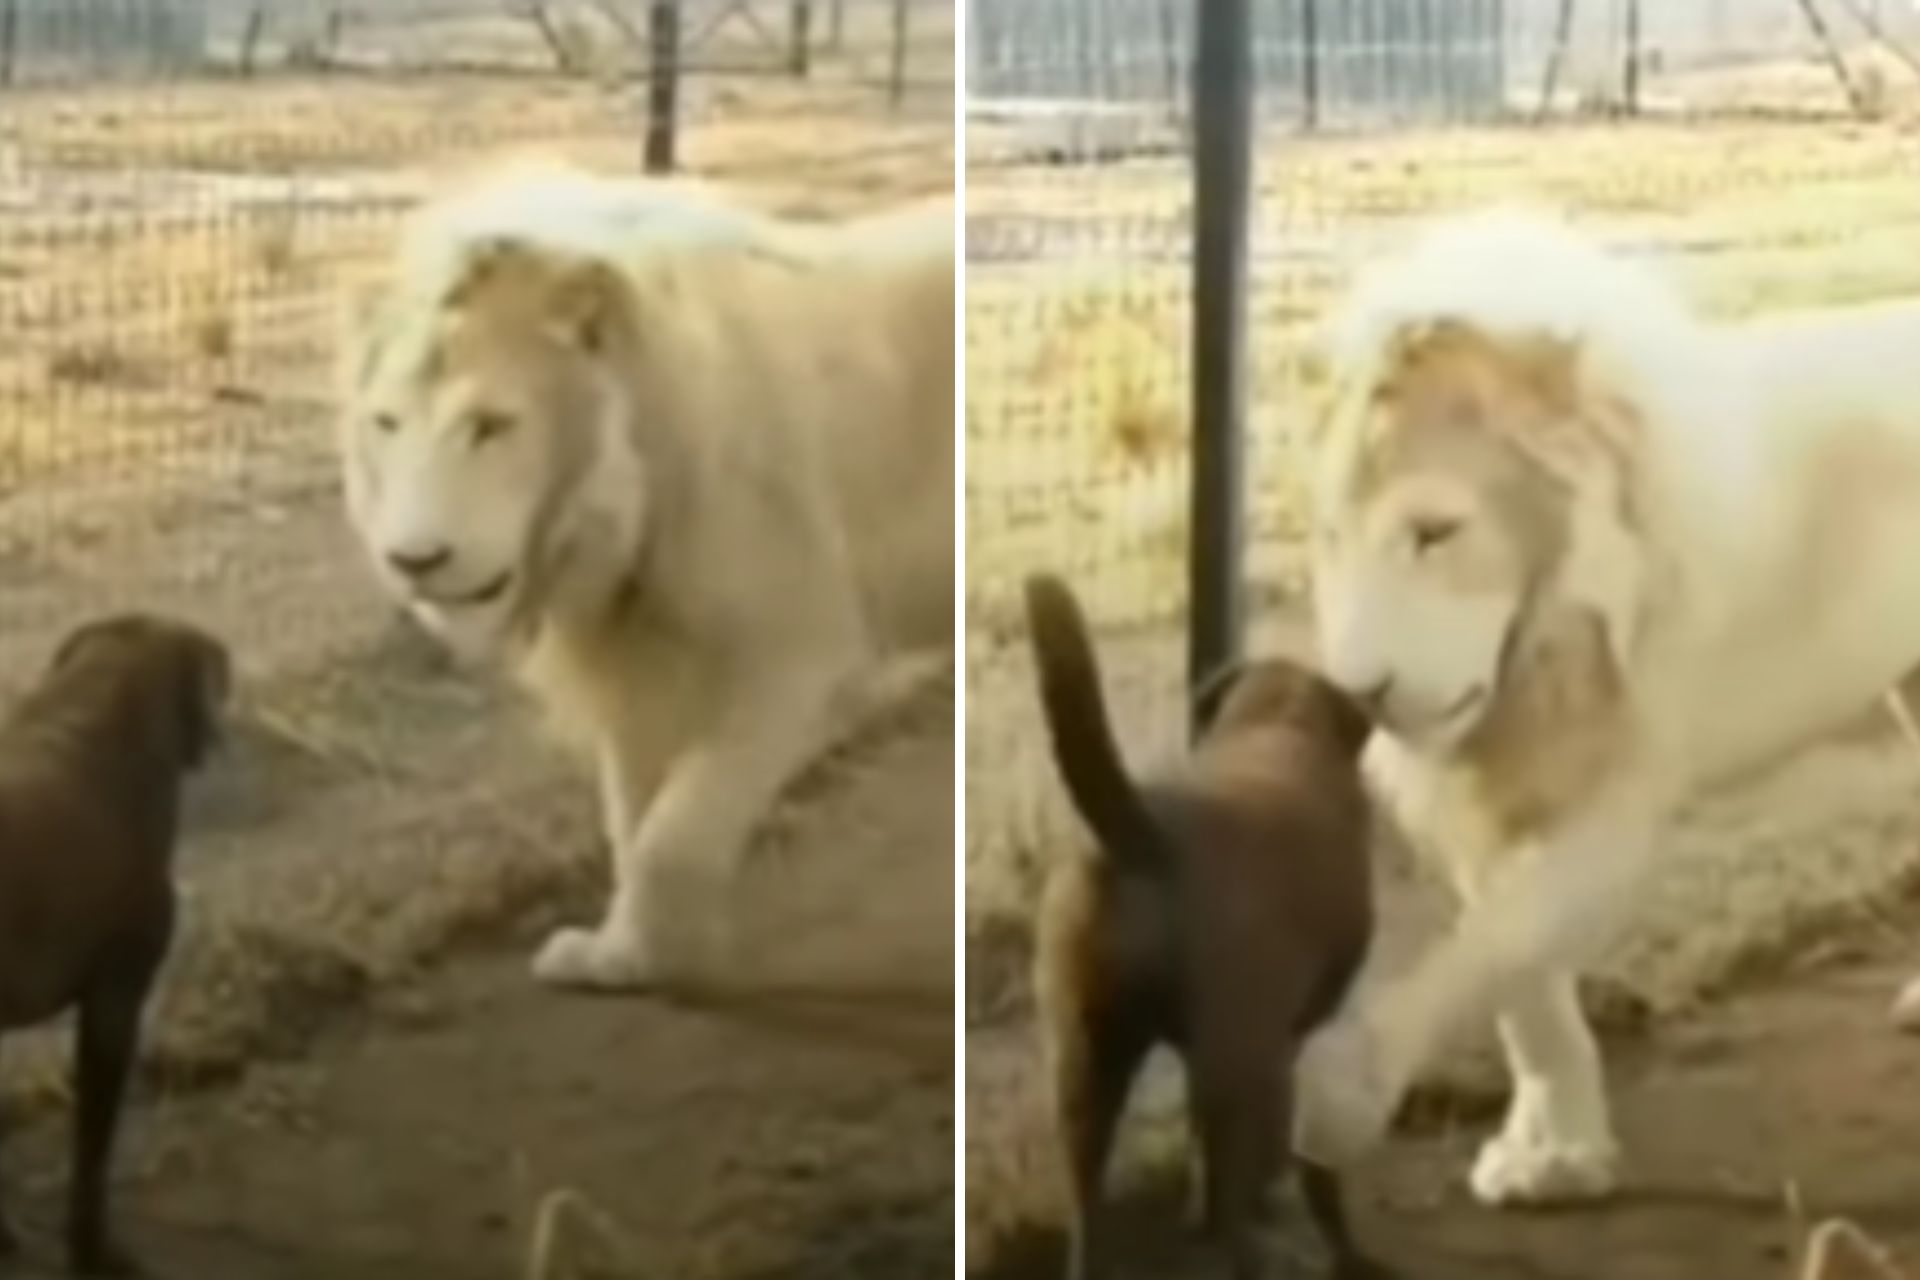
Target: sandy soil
{"type": "Point", "coordinates": [1805, 863]}
{"type": "Point", "coordinates": [802, 1130]}
{"type": "Point", "coordinates": [1780, 1106]}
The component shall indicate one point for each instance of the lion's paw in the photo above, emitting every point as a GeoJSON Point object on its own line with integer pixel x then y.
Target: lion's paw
{"type": "Point", "coordinates": [594, 959]}
{"type": "Point", "coordinates": [1526, 1170]}
{"type": "Point", "coordinates": [1347, 1095]}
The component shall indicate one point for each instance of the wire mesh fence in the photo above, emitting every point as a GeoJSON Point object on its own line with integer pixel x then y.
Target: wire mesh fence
{"type": "Point", "coordinates": [184, 187]}
{"type": "Point", "coordinates": [187, 190]}
{"type": "Point", "coordinates": [1764, 148]}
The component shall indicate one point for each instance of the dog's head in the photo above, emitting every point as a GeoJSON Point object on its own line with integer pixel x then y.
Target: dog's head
{"type": "Point", "coordinates": [174, 675]}
{"type": "Point", "coordinates": [1268, 692]}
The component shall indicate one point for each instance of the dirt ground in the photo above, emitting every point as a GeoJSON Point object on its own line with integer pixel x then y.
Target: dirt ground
{"type": "Point", "coordinates": [348, 1073]}
{"type": "Point", "coordinates": [1720, 1038]}
{"type": "Point", "coordinates": [1781, 1106]}
{"type": "Point", "coordinates": [1077, 433]}
{"type": "Point", "coordinates": [804, 1130]}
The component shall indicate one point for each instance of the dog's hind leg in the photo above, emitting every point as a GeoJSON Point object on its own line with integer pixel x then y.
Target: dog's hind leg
{"type": "Point", "coordinates": [1240, 1115]}
{"type": "Point", "coordinates": [1093, 1071]}
{"type": "Point", "coordinates": [107, 1043]}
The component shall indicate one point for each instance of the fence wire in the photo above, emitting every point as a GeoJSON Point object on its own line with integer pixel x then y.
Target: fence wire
{"type": "Point", "coordinates": [1763, 147]}
{"type": "Point", "coordinates": [188, 188]}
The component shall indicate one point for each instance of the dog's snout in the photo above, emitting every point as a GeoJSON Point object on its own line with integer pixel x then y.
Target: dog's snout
{"type": "Point", "coordinates": [417, 562]}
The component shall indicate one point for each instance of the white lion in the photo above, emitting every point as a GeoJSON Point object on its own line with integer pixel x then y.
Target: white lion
{"type": "Point", "coordinates": [1584, 553]}
{"type": "Point", "coordinates": [689, 472]}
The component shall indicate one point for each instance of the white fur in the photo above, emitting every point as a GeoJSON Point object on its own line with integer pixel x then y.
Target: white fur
{"type": "Point", "coordinates": [1763, 593]}
{"type": "Point", "coordinates": [712, 524]}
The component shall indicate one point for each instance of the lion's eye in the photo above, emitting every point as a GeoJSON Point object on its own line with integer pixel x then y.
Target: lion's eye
{"type": "Point", "coordinates": [490, 426]}
{"type": "Point", "coordinates": [1431, 532]}
{"type": "Point", "coordinates": [385, 423]}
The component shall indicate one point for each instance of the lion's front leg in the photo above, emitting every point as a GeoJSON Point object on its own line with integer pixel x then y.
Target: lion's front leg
{"type": "Point", "coordinates": [1557, 1144]}
{"type": "Point", "coordinates": [1551, 908]}
{"type": "Point", "coordinates": [674, 869]}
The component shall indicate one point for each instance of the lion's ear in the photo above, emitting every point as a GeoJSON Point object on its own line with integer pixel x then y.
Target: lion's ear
{"type": "Point", "coordinates": [579, 294]}
{"type": "Point", "coordinates": [1550, 368]}
{"type": "Point", "coordinates": [587, 301]}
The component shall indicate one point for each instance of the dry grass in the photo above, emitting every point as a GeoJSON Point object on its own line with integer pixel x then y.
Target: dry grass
{"type": "Point", "coordinates": [170, 295]}
{"type": "Point", "coordinates": [1077, 395]}
{"type": "Point", "coordinates": [1840, 1250]}
{"type": "Point", "coordinates": [1076, 433]}
{"type": "Point", "coordinates": [194, 238]}
{"type": "Point", "coordinates": [575, 1239]}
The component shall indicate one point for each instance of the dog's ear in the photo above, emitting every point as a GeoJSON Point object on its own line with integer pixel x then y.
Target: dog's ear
{"type": "Point", "coordinates": [202, 683]}
{"type": "Point", "coordinates": [75, 640]}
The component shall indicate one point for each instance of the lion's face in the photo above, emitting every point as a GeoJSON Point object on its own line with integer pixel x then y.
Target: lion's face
{"type": "Point", "coordinates": [1432, 532]}
{"type": "Point", "coordinates": [483, 437]}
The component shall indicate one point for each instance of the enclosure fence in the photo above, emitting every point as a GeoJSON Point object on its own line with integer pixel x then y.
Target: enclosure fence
{"type": "Point", "coordinates": [1764, 149]}
{"type": "Point", "coordinates": [187, 186]}
{"type": "Point", "coordinates": [189, 191]}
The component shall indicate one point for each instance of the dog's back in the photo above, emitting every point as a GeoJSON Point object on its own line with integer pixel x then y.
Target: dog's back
{"type": "Point", "coordinates": [91, 762]}
{"type": "Point", "coordinates": [1226, 911]}
{"type": "Point", "coordinates": [1244, 865]}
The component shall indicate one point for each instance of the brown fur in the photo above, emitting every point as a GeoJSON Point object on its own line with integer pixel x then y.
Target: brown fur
{"type": "Point", "coordinates": [1226, 916]}
{"type": "Point", "coordinates": [91, 762]}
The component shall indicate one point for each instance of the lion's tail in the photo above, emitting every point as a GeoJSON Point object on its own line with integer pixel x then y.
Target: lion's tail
{"type": "Point", "coordinates": [1083, 745]}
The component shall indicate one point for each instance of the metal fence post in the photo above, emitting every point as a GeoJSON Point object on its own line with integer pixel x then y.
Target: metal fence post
{"type": "Point", "coordinates": [1631, 71]}
{"type": "Point", "coordinates": [663, 84]}
{"type": "Point", "coordinates": [1222, 198]}
{"type": "Point", "coordinates": [1310, 62]}
{"type": "Point", "coordinates": [800, 35]}
{"type": "Point", "coordinates": [897, 73]}
{"type": "Point", "coordinates": [9, 38]}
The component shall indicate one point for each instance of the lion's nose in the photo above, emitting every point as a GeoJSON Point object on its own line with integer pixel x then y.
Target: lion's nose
{"type": "Point", "coordinates": [418, 562]}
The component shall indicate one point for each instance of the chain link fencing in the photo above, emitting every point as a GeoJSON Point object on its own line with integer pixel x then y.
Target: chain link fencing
{"type": "Point", "coordinates": [187, 190]}
{"type": "Point", "coordinates": [1764, 151]}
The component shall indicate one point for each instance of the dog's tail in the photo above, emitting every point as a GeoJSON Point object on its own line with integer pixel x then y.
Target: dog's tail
{"type": "Point", "coordinates": [1083, 745]}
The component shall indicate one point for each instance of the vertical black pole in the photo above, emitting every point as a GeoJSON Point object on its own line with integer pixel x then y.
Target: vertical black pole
{"type": "Point", "coordinates": [1222, 199]}
{"type": "Point", "coordinates": [1310, 65]}
{"type": "Point", "coordinates": [663, 83]}
{"type": "Point", "coordinates": [9, 38]}
{"type": "Point", "coordinates": [897, 76]}
{"type": "Point", "coordinates": [801, 34]}
{"type": "Point", "coordinates": [1631, 77]}
{"type": "Point", "coordinates": [1562, 33]}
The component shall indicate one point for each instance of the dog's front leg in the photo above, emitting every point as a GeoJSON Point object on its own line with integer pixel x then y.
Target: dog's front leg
{"type": "Point", "coordinates": [675, 867]}
{"type": "Point", "coordinates": [107, 1042]}
{"type": "Point", "coordinates": [1555, 904]}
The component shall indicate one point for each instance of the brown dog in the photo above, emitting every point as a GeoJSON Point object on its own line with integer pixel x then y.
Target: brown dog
{"type": "Point", "coordinates": [1226, 915]}
{"type": "Point", "coordinates": [91, 763]}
